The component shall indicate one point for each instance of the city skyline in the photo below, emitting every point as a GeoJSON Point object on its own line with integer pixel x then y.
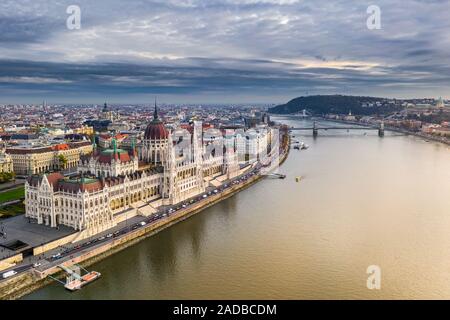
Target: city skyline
{"type": "Point", "coordinates": [228, 51]}
{"type": "Point", "coordinates": [197, 152]}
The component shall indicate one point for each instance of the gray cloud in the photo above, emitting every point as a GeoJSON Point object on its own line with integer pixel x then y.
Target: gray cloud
{"type": "Point", "coordinates": [246, 49]}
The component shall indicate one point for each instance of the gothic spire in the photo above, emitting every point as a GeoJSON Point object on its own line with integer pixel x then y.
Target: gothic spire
{"type": "Point", "coordinates": [155, 113]}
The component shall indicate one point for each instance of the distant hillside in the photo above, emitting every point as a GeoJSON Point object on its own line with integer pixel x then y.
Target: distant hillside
{"type": "Point", "coordinates": [322, 104]}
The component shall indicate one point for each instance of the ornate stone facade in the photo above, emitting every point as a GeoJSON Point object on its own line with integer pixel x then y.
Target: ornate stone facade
{"type": "Point", "coordinates": [109, 163]}
{"type": "Point", "coordinates": [37, 160]}
{"type": "Point", "coordinates": [112, 181]}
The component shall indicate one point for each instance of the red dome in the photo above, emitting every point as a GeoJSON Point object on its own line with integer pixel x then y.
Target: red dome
{"type": "Point", "coordinates": [156, 130]}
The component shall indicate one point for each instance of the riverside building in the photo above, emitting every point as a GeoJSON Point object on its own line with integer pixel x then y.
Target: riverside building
{"type": "Point", "coordinates": [30, 159]}
{"type": "Point", "coordinates": [164, 168]}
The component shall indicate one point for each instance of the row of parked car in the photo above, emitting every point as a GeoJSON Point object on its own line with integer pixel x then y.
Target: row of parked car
{"type": "Point", "coordinates": [68, 251]}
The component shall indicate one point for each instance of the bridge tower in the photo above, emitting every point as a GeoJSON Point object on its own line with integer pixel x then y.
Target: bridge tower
{"type": "Point", "coordinates": [315, 130]}
{"type": "Point", "coordinates": [381, 129]}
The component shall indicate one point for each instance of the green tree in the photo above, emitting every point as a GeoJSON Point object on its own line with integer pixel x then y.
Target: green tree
{"type": "Point", "coordinates": [6, 176]}
{"type": "Point", "coordinates": [62, 161]}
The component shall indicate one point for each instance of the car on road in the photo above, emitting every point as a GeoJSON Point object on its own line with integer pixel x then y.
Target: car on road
{"type": "Point", "coordinates": [109, 235]}
{"type": "Point", "coordinates": [101, 238]}
{"type": "Point", "coordinates": [9, 274]}
{"type": "Point", "coordinates": [143, 223]}
{"type": "Point", "coordinates": [37, 264]}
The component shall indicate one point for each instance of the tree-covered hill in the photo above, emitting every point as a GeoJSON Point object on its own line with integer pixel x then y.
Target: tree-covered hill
{"type": "Point", "coordinates": [340, 104]}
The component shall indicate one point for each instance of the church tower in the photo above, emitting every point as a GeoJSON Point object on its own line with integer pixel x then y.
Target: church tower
{"type": "Point", "coordinates": [197, 145]}
{"type": "Point", "coordinates": [155, 140]}
{"type": "Point", "coordinates": [230, 159]}
{"type": "Point", "coordinates": [170, 188]}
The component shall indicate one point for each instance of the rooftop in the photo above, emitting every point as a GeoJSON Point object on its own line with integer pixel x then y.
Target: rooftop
{"type": "Point", "coordinates": [19, 228]}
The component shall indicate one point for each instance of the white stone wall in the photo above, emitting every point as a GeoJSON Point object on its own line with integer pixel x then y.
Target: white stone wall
{"type": "Point", "coordinates": [88, 210]}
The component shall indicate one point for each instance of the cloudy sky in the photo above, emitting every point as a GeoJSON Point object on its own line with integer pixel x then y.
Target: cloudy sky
{"type": "Point", "coordinates": [221, 50]}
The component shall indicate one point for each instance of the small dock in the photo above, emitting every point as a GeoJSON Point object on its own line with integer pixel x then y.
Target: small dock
{"type": "Point", "coordinates": [75, 280]}
{"type": "Point", "coordinates": [76, 284]}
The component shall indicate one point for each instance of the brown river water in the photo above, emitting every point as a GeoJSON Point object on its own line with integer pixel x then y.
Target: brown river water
{"type": "Point", "coordinates": [363, 201]}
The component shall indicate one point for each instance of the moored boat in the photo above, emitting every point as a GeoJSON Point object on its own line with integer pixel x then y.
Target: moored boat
{"type": "Point", "coordinates": [80, 282]}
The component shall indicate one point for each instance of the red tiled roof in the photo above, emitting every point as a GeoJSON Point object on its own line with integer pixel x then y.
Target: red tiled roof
{"type": "Point", "coordinates": [71, 186]}
{"type": "Point", "coordinates": [187, 127]}
{"type": "Point", "coordinates": [62, 146]}
{"type": "Point", "coordinates": [156, 131]}
{"type": "Point", "coordinates": [28, 150]}
{"type": "Point", "coordinates": [107, 158]}
{"type": "Point", "coordinates": [52, 178]}
{"type": "Point", "coordinates": [121, 136]}
{"type": "Point", "coordinates": [58, 183]}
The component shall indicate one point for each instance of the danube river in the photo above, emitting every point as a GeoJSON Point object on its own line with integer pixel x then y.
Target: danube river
{"type": "Point", "coordinates": [363, 201]}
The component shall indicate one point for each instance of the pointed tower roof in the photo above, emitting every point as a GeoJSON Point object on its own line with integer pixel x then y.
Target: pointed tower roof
{"type": "Point", "coordinates": [155, 113]}
{"type": "Point", "coordinates": [156, 128]}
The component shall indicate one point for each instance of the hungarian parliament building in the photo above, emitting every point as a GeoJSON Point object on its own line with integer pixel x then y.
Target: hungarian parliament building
{"type": "Point", "coordinates": [163, 168]}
